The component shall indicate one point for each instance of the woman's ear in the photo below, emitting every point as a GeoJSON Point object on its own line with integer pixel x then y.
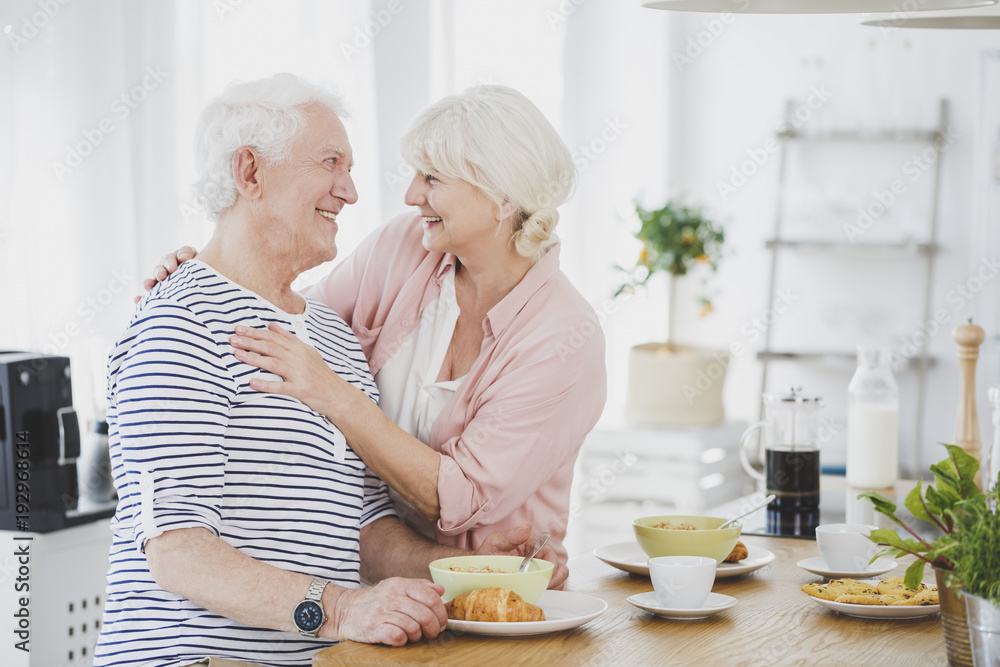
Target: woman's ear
{"type": "Point", "coordinates": [246, 164]}
{"type": "Point", "coordinates": [507, 211]}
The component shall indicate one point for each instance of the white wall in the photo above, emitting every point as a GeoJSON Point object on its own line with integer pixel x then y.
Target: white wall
{"type": "Point", "coordinates": [727, 102]}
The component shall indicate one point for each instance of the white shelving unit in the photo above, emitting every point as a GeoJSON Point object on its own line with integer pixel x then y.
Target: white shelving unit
{"type": "Point", "coordinates": [918, 245]}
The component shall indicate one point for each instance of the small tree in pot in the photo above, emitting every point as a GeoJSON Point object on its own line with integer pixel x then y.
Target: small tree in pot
{"type": "Point", "coordinates": [673, 384]}
{"type": "Point", "coordinates": [675, 239]}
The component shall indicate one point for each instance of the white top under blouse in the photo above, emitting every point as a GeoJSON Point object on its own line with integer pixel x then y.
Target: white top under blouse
{"type": "Point", "coordinates": [411, 396]}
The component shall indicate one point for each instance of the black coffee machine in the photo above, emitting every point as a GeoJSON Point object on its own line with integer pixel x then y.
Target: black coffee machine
{"type": "Point", "coordinates": [39, 445]}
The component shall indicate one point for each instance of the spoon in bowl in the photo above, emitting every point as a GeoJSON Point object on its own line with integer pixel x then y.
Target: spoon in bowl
{"type": "Point", "coordinates": [748, 512]}
{"type": "Point", "coordinates": [539, 543]}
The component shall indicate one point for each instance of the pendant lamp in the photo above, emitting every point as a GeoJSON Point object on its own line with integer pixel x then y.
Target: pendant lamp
{"type": "Point", "coordinates": [981, 17]}
{"type": "Point", "coordinates": [813, 6]}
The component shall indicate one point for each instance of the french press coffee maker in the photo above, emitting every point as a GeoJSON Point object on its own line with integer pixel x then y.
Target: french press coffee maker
{"type": "Point", "coordinates": [790, 446]}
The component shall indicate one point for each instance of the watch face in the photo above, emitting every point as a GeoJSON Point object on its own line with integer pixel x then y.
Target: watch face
{"type": "Point", "coordinates": [308, 616]}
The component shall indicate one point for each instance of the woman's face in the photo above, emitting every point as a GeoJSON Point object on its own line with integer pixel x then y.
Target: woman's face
{"type": "Point", "coordinates": [457, 217]}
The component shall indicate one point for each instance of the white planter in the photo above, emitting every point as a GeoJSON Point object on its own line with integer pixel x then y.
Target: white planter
{"type": "Point", "coordinates": [675, 385]}
{"type": "Point", "coordinates": [984, 630]}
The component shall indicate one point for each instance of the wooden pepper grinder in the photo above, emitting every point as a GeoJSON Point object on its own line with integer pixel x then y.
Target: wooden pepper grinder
{"type": "Point", "coordinates": [969, 337]}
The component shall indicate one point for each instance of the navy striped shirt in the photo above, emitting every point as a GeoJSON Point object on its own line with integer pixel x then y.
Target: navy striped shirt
{"type": "Point", "coordinates": [192, 445]}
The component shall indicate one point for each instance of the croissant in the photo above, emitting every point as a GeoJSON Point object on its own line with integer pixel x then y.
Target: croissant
{"type": "Point", "coordinates": [738, 553]}
{"type": "Point", "coordinates": [493, 604]}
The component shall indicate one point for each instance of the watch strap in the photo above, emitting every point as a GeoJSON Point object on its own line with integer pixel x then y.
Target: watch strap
{"type": "Point", "coordinates": [316, 589]}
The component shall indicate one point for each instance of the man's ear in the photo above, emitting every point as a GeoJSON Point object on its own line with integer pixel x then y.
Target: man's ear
{"type": "Point", "coordinates": [246, 171]}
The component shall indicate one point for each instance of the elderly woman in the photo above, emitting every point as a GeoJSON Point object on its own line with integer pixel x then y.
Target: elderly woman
{"type": "Point", "coordinates": [246, 520]}
{"type": "Point", "coordinates": [489, 363]}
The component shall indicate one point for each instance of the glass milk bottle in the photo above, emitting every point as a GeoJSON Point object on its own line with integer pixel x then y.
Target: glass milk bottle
{"type": "Point", "coordinates": [873, 421]}
{"type": "Point", "coordinates": [991, 462]}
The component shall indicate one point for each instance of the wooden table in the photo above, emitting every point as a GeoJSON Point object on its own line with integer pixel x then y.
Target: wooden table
{"type": "Point", "coordinates": [774, 623]}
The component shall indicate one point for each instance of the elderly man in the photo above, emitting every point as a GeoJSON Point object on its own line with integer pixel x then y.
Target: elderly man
{"type": "Point", "coordinates": [246, 521]}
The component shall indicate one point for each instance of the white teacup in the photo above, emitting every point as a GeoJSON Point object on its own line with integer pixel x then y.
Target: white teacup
{"type": "Point", "coordinates": [845, 546]}
{"type": "Point", "coordinates": [682, 582]}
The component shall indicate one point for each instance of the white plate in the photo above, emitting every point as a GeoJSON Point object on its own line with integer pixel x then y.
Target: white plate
{"type": "Point", "coordinates": [874, 611]}
{"type": "Point", "coordinates": [818, 566]}
{"type": "Point", "coordinates": [630, 557]}
{"type": "Point", "coordinates": [715, 603]}
{"type": "Point", "coordinates": [563, 610]}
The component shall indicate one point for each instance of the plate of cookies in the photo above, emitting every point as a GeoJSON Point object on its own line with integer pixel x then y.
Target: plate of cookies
{"type": "Point", "coordinates": [629, 557]}
{"type": "Point", "coordinates": [875, 598]}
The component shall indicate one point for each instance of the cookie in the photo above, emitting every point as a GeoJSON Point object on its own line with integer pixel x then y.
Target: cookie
{"type": "Point", "coordinates": [895, 586]}
{"type": "Point", "coordinates": [924, 598]}
{"type": "Point", "coordinates": [821, 591]}
{"type": "Point", "coordinates": [853, 587]}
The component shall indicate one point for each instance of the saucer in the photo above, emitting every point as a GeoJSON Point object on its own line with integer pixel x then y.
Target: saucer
{"type": "Point", "coordinates": [715, 603]}
{"type": "Point", "coordinates": [818, 566]}
{"type": "Point", "coordinates": [629, 557]}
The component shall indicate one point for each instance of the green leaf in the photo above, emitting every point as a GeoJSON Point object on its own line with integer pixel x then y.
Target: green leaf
{"type": "Point", "coordinates": [915, 503]}
{"type": "Point", "coordinates": [946, 477]}
{"type": "Point", "coordinates": [956, 474]}
{"type": "Point", "coordinates": [941, 500]}
{"type": "Point", "coordinates": [881, 503]}
{"type": "Point", "coordinates": [892, 538]}
{"type": "Point", "coordinates": [966, 467]}
{"type": "Point", "coordinates": [914, 574]}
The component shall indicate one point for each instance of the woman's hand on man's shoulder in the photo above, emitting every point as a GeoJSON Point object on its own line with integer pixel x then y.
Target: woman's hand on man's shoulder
{"type": "Point", "coordinates": [167, 265]}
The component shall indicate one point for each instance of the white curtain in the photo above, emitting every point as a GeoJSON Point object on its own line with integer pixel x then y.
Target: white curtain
{"type": "Point", "coordinates": [96, 126]}
{"type": "Point", "coordinates": [90, 166]}
{"type": "Point", "coordinates": [616, 121]}
{"type": "Point", "coordinates": [102, 97]}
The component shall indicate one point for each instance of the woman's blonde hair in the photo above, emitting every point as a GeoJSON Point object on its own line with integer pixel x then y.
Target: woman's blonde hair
{"type": "Point", "coordinates": [494, 138]}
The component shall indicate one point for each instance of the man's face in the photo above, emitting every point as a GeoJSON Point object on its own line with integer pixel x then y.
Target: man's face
{"type": "Point", "coordinates": [302, 197]}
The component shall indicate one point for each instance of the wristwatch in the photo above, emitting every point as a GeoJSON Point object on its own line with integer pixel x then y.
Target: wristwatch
{"type": "Point", "coordinates": [309, 615]}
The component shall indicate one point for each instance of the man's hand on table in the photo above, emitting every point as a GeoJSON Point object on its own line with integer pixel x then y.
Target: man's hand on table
{"type": "Point", "coordinates": [516, 542]}
{"type": "Point", "coordinates": [392, 612]}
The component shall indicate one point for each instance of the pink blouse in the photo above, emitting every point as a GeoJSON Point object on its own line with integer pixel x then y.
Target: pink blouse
{"type": "Point", "coordinates": [509, 437]}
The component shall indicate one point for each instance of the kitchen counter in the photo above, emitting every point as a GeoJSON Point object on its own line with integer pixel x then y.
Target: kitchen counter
{"type": "Point", "coordinates": [773, 623]}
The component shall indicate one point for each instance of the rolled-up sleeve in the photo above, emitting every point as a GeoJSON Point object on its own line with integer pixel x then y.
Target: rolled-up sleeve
{"type": "Point", "coordinates": [376, 499]}
{"type": "Point", "coordinates": [173, 394]}
{"type": "Point", "coordinates": [530, 422]}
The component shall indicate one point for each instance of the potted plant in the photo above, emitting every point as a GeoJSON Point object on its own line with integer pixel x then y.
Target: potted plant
{"type": "Point", "coordinates": [955, 506]}
{"type": "Point", "coordinates": [669, 383]}
{"type": "Point", "coordinates": [974, 551]}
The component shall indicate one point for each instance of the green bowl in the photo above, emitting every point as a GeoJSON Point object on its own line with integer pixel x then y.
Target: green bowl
{"type": "Point", "coordinates": [705, 541]}
{"type": "Point", "coordinates": [529, 585]}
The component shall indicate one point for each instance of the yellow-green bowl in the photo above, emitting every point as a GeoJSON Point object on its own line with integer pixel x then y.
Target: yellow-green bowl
{"type": "Point", "coordinates": [705, 541]}
{"type": "Point", "coordinates": [529, 584]}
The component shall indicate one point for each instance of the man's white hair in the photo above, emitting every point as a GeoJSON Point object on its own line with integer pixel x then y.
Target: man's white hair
{"type": "Point", "coordinates": [266, 114]}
